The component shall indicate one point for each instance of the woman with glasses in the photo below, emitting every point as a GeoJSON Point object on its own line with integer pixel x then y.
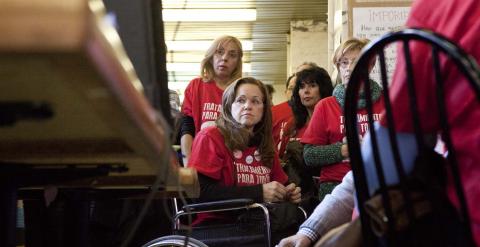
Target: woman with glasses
{"type": "Point", "coordinates": [221, 66]}
{"type": "Point", "coordinates": [236, 158]}
{"type": "Point", "coordinates": [325, 146]}
{"type": "Point", "coordinates": [324, 138]}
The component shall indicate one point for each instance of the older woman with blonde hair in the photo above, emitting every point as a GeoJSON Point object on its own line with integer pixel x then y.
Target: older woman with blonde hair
{"type": "Point", "coordinates": [325, 147]}
{"type": "Point", "coordinates": [221, 66]}
{"type": "Point", "coordinates": [324, 139]}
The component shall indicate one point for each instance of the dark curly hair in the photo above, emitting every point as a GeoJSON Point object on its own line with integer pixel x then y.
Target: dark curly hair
{"type": "Point", "coordinates": [316, 75]}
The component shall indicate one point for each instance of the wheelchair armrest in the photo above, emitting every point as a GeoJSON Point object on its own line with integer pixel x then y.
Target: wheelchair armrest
{"type": "Point", "coordinates": [215, 205]}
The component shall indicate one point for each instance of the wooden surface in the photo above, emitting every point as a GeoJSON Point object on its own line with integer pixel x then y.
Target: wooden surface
{"type": "Point", "coordinates": [64, 54]}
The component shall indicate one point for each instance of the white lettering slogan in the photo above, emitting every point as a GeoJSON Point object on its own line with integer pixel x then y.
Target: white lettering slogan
{"type": "Point", "coordinates": [362, 120]}
{"type": "Point", "coordinates": [210, 111]}
{"type": "Point", "coordinates": [250, 175]}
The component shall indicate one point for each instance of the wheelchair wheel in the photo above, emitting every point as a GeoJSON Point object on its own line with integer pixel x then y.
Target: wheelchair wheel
{"type": "Point", "coordinates": [174, 240]}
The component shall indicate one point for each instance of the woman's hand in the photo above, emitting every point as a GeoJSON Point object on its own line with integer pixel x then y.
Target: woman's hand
{"type": "Point", "coordinates": [293, 193]}
{"type": "Point", "coordinates": [274, 192]}
{"type": "Point", "coordinates": [297, 240]}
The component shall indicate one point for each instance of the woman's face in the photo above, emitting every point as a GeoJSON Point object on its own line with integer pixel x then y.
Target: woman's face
{"type": "Point", "coordinates": [309, 94]}
{"type": "Point", "coordinates": [225, 60]}
{"type": "Point", "coordinates": [247, 108]}
{"type": "Point", "coordinates": [345, 65]}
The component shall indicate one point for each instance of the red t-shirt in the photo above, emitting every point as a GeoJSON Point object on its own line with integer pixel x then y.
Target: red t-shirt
{"type": "Point", "coordinates": [202, 102]}
{"type": "Point", "coordinates": [281, 115]}
{"type": "Point", "coordinates": [458, 20]}
{"type": "Point", "coordinates": [291, 135]}
{"type": "Point", "coordinates": [212, 158]}
{"type": "Point", "coordinates": [327, 126]}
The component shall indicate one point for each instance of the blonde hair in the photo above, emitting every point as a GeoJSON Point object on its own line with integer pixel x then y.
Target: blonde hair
{"type": "Point", "coordinates": [351, 44]}
{"type": "Point", "coordinates": [238, 137]}
{"type": "Point", "coordinates": [206, 66]}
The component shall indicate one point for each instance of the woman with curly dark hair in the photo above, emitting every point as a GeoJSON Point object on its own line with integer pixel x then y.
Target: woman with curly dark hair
{"type": "Point", "coordinates": [311, 86]}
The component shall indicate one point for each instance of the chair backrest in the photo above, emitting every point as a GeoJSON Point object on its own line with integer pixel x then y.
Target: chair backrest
{"type": "Point", "coordinates": [441, 49]}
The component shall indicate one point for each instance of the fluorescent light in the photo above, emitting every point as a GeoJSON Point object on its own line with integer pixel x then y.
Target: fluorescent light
{"type": "Point", "coordinates": [247, 45]}
{"type": "Point", "coordinates": [195, 67]}
{"type": "Point", "coordinates": [209, 15]}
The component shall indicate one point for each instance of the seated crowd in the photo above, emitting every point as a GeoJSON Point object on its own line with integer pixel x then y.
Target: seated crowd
{"type": "Point", "coordinates": [296, 152]}
{"type": "Point", "coordinates": [270, 154]}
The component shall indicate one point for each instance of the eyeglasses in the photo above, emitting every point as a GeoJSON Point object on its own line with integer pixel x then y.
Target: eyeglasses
{"type": "Point", "coordinates": [230, 54]}
{"type": "Point", "coordinates": [345, 62]}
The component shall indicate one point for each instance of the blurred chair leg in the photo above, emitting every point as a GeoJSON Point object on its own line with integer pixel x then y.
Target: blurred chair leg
{"type": "Point", "coordinates": [8, 212]}
{"type": "Point", "coordinates": [20, 226]}
{"type": "Point", "coordinates": [77, 216]}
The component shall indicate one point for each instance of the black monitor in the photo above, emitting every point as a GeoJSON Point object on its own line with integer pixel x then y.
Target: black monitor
{"type": "Point", "coordinates": [140, 26]}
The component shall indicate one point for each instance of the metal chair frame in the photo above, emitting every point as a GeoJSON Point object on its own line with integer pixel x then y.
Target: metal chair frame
{"type": "Point", "coordinates": [216, 206]}
{"type": "Point", "coordinates": [229, 205]}
{"type": "Point", "coordinates": [223, 206]}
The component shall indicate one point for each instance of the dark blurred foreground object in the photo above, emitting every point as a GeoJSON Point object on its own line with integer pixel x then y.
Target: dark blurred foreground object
{"type": "Point", "coordinates": [73, 114]}
{"type": "Point", "coordinates": [409, 205]}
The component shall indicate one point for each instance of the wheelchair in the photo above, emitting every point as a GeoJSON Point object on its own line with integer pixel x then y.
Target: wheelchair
{"type": "Point", "coordinates": [175, 240]}
{"type": "Point", "coordinates": [256, 233]}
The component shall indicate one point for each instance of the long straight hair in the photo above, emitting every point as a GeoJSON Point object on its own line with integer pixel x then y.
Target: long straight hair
{"type": "Point", "coordinates": [236, 135]}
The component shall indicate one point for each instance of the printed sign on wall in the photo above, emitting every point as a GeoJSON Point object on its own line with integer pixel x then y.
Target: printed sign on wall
{"type": "Point", "coordinates": [373, 22]}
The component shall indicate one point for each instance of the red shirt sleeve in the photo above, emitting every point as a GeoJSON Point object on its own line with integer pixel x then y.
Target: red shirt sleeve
{"type": "Point", "coordinates": [276, 123]}
{"type": "Point", "coordinates": [316, 131]}
{"type": "Point", "coordinates": [281, 115]}
{"type": "Point", "coordinates": [285, 138]}
{"type": "Point", "coordinates": [206, 156]}
{"type": "Point", "coordinates": [187, 100]}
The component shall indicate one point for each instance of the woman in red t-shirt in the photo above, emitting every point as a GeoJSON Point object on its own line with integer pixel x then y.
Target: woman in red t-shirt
{"type": "Point", "coordinates": [312, 85]}
{"type": "Point", "coordinates": [236, 158]}
{"type": "Point", "coordinates": [324, 138]}
{"type": "Point", "coordinates": [221, 66]}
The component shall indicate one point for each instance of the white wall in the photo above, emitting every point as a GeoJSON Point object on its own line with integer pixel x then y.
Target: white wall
{"type": "Point", "coordinates": [308, 43]}
{"type": "Point", "coordinates": [337, 30]}
{"type": "Point", "coordinates": [279, 95]}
